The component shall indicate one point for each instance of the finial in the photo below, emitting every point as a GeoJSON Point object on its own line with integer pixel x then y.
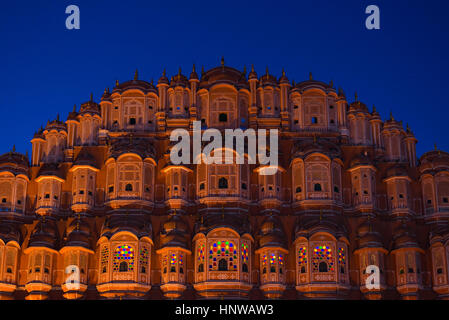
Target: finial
{"type": "Point", "coordinates": [26, 154]}
{"type": "Point", "coordinates": [283, 72]}
{"type": "Point", "coordinates": [91, 97]}
{"type": "Point", "coordinates": [74, 108]}
{"type": "Point", "coordinates": [252, 68]}
{"type": "Point", "coordinates": [136, 75]}
{"type": "Point", "coordinates": [331, 84]}
{"type": "Point", "coordinates": [57, 117]}
{"type": "Point", "coordinates": [293, 83]}
{"type": "Point", "coordinates": [105, 91]}
{"type": "Point", "coordinates": [164, 73]}
{"type": "Point", "coordinates": [407, 127]}
{"type": "Point", "coordinates": [310, 76]}
{"type": "Point", "coordinates": [13, 148]}
{"type": "Point", "coordinates": [356, 96]}
{"type": "Point", "coordinates": [374, 108]}
{"type": "Point", "coordinates": [116, 83]}
{"type": "Point", "coordinates": [244, 70]}
{"type": "Point", "coordinates": [435, 146]}
{"type": "Point", "coordinates": [267, 73]}
{"type": "Point", "coordinates": [152, 82]}
{"type": "Point", "coordinates": [202, 71]}
{"type": "Point", "coordinates": [179, 71]}
{"type": "Point", "coordinates": [222, 61]}
{"type": "Point", "coordinates": [193, 68]}
{"type": "Point", "coordinates": [391, 116]}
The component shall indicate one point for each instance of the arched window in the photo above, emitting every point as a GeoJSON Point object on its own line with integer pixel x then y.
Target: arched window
{"type": "Point", "coordinates": [317, 187]}
{"type": "Point", "coordinates": [201, 268]}
{"type": "Point", "coordinates": [222, 183]}
{"type": "Point", "coordinates": [298, 190]}
{"type": "Point", "coordinates": [245, 267]}
{"type": "Point", "coordinates": [129, 187]}
{"type": "Point", "coordinates": [322, 267]}
{"type": "Point", "coordinates": [123, 266]}
{"type": "Point", "coordinates": [223, 117]}
{"type": "Point", "coordinates": [303, 269]}
{"type": "Point", "coordinates": [222, 265]}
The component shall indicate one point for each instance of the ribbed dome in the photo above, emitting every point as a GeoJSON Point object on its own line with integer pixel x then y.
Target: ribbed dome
{"type": "Point", "coordinates": [360, 160]}
{"type": "Point", "coordinates": [368, 237]}
{"type": "Point", "coordinates": [14, 162]}
{"type": "Point", "coordinates": [404, 238]}
{"type": "Point", "coordinates": [134, 223]}
{"type": "Point", "coordinates": [10, 232]}
{"type": "Point", "coordinates": [78, 233]}
{"type": "Point", "coordinates": [45, 234]}
{"type": "Point", "coordinates": [50, 169]}
{"type": "Point", "coordinates": [85, 158]}
{"type": "Point", "coordinates": [174, 232]}
{"type": "Point", "coordinates": [272, 234]}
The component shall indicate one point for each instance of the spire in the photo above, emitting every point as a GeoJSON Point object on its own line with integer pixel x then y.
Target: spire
{"type": "Point", "coordinates": [267, 73]}
{"type": "Point", "coordinates": [91, 97]}
{"type": "Point", "coordinates": [193, 68]}
{"type": "Point", "coordinates": [252, 68]}
{"type": "Point", "coordinates": [179, 71]}
{"type": "Point", "coordinates": [136, 75]}
{"type": "Point", "coordinates": [391, 116]}
{"type": "Point", "coordinates": [356, 97]}
{"type": "Point", "coordinates": [13, 148]}
{"type": "Point", "coordinates": [435, 146]}
{"type": "Point", "coordinates": [116, 83]}
{"type": "Point", "coordinates": [222, 61]}
{"type": "Point", "coordinates": [57, 116]}
{"type": "Point", "coordinates": [152, 82]}
{"type": "Point", "coordinates": [283, 72]}
{"type": "Point", "coordinates": [164, 73]}
{"type": "Point", "coordinates": [244, 70]}
{"type": "Point", "coordinates": [374, 108]}
{"type": "Point", "coordinates": [310, 76]}
{"type": "Point", "coordinates": [74, 108]}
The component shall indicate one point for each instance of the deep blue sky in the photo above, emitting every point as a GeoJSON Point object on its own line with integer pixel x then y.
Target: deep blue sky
{"type": "Point", "coordinates": [46, 69]}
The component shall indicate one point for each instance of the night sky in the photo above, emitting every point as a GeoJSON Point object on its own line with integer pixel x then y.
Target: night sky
{"type": "Point", "coordinates": [45, 69]}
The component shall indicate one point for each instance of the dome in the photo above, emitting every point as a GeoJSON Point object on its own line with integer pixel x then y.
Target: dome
{"type": "Point", "coordinates": [306, 226]}
{"type": "Point", "coordinates": [305, 147]}
{"type": "Point", "coordinates": [14, 162]}
{"type": "Point", "coordinates": [142, 147]}
{"type": "Point", "coordinates": [404, 238]}
{"type": "Point", "coordinates": [360, 160]}
{"type": "Point", "coordinates": [50, 169]}
{"type": "Point", "coordinates": [85, 158]}
{"type": "Point", "coordinates": [90, 107]}
{"type": "Point", "coordinates": [358, 106]}
{"type": "Point", "coordinates": [268, 80]}
{"type": "Point", "coordinates": [55, 125]}
{"type": "Point", "coordinates": [435, 160]}
{"type": "Point", "coordinates": [220, 74]}
{"type": "Point", "coordinates": [179, 80]}
{"type": "Point", "coordinates": [224, 219]}
{"type": "Point", "coordinates": [78, 234]}
{"type": "Point", "coordinates": [272, 234]}
{"type": "Point", "coordinates": [10, 232]}
{"type": "Point", "coordinates": [174, 232]}
{"type": "Point", "coordinates": [313, 84]}
{"type": "Point", "coordinates": [133, 223]}
{"type": "Point", "coordinates": [368, 237]}
{"type": "Point", "coordinates": [396, 171]}
{"type": "Point", "coordinates": [45, 234]}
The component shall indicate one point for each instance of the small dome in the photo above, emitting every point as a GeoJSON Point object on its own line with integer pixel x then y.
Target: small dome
{"type": "Point", "coordinates": [45, 234]}
{"type": "Point", "coordinates": [133, 223]}
{"type": "Point", "coordinates": [14, 162]}
{"type": "Point", "coordinates": [90, 107]}
{"type": "Point", "coordinates": [435, 160]}
{"type": "Point", "coordinates": [85, 158]}
{"type": "Point", "coordinates": [404, 238]}
{"type": "Point", "coordinates": [163, 79]}
{"type": "Point", "coordinates": [55, 125]}
{"type": "Point", "coordinates": [143, 147]}
{"type": "Point", "coordinates": [50, 169]}
{"type": "Point", "coordinates": [174, 232]}
{"type": "Point", "coordinates": [360, 160]}
{"type": "Point", "coordinates": [179, 80]}
{"type": "Point", "coordinates": [368, 237]}
{"type": "Point", "coordinates": [272, 234]}
{"type": "Point", "coordinates": [10, 232]}
{"type": "Point", "coordinates": [358, 106]}
{"type": "Point", "coordinates": [396, 171]}
{"type": "Point", "coordinates": [78, 233]}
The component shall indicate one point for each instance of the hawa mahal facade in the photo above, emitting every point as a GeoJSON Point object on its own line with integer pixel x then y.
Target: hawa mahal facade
{"type": "Point", "coordinates": [101, 194]}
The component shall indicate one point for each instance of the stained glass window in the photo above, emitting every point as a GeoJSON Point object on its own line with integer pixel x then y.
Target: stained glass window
{"type": "Point", "coordinates": [273, 258]}
{"type": "Point", "coordinates": [223, 250]}
{"type": "Point", "coordinates": [322, 254]}
{"type": "Point", "coordinates": [281, 260]}
{"type": "Point", "coordinates": [201, 252]}
{"type": "Point", "coordinates": [245, 253]}
{"type": "Point", "coordinates": [341, 257]}
{"type": "Point", "coordinates": [302, 256]}
{"type": "Point", "coordinates": [123, 253]}
{"type": "Point", "coordinates": [264, 260]}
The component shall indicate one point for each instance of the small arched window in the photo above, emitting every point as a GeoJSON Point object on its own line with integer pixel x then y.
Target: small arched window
{"type": "Point", "coordinates": [322, 267]}
{"type": "Point", "coordinates": [317, 187]}
{"type": "Point", "coordinates": [223, 183]}
{"type": "Point", "coordinates": [298, 189]}
{"type": "Point", "coordinates": [222, 265]}
{"type": "Point", "coordinates": [129, 187]}
{"type": "Point", "coordinates": [303, 269]}
{"type": "Point", "coordinates": [123, 266]}
{"type": "Point", "coordinates": [245, 267]}
{"type": "Point", "coordinates": [201, 268]}
{"type": "Point", "coordinates": [223, 117]}
{"type": "Point", "coordinates": [272, 269]}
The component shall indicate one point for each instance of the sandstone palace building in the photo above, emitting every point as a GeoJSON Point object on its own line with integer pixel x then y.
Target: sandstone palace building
{"type": "Point", "coordinates": [100, 192]}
